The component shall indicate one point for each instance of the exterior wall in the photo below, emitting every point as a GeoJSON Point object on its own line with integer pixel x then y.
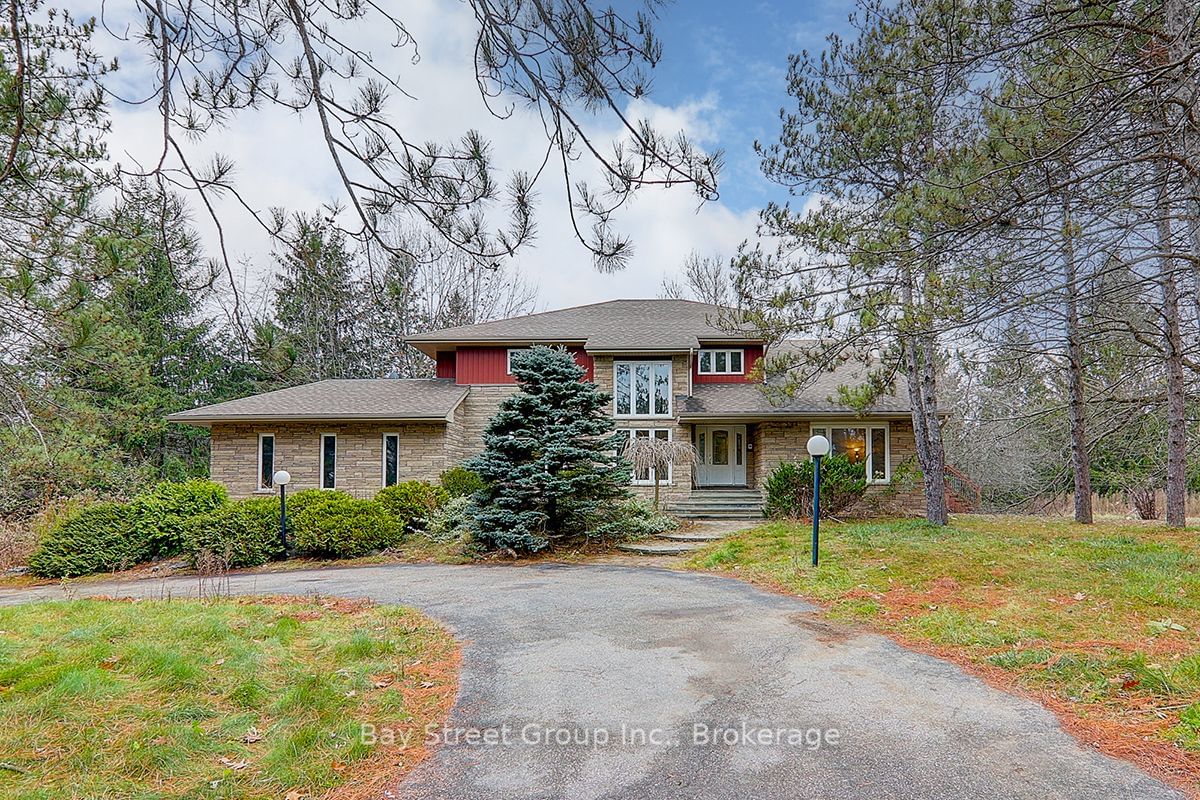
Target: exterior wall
{"type": "Point", "coordinates": [680, 487]}
{"type": "Point", "coordinates": [425, 452]}
{"type": "Point", "coordinates": [447, 365]}
{"type": "Point", "coordinates": [489, 365]}
{"type": "Point", "coordinates": [751, 354]}
{"type": "Point", "coordinates": [775, 442]}
{"type": "Point", "coordinates": [480, 405]}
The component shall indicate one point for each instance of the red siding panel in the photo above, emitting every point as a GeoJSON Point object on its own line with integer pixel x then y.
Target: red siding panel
{"type": "Point", "coordinates": [478, 365]}
{"type": "Point", "coordinates": [447, 364]}
{"type": "Point", "coordinates": [750, 356]}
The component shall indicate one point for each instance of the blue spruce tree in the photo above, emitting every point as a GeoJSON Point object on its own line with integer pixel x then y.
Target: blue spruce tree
{"type": "Point", "coordinates": [551, 458]}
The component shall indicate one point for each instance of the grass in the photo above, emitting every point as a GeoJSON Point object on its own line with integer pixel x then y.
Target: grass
{"type": "Point", "coordinates": [247, 698]}
{"type": "Point", "coordinates": [1099, 622]}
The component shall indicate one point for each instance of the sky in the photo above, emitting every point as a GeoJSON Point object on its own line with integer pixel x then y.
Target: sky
{"type": "Point", "coordinates": [722, 80]}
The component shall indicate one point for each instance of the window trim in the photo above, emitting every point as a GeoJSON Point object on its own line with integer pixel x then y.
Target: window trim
{"type": "Point", "coordinates": [824, 429]}
{"type": "Point", "coordinates": [508, 354]}
{"type": "Point", "coordinates": [258, 476]}
{"type": "Point", "coordinates": [321, 461]}
{"type": "Point", "coordinates": [633, 480]}
{"type": "Point", "coordinates": [712, 370]}
{"type": "Point", "coordinates": [670, 412]}
{"type": "Point", "coordinates": [383, 484]}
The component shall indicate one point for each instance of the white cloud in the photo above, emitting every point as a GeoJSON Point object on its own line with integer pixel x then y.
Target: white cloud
{"type": "Point", "coordinates": [281, 161]}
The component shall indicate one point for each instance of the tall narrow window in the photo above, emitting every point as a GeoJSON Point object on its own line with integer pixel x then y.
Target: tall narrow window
{"type": "Point", "coordinates": [266, 461]}
{"type": "Point", "coordinates": [391, 459]}
{"type": "Point", "coordinates": [328, 461]}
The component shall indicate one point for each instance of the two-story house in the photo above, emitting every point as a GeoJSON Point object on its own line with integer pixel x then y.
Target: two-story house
{"type": "Point", "coordinates": [672, 370]}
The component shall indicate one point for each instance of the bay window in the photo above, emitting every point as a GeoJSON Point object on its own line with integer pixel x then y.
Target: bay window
{"type": "Point", "coordinates": [642, 388]}
{"type": "Point", "coordinates": [868, 445]}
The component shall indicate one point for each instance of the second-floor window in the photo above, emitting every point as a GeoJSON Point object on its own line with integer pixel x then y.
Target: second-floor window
{"type": "Point", "coordinates": [721, 362]}
{"type": "Point", "coordinates": [508, 358]}
{"type": "Point", "coordinates": [642, 388]}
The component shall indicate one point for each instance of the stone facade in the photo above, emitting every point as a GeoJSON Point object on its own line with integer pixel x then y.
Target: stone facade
{"type": "Point", "coordinates": [428, 449]}
{"type": "Point", "coordinates": [425, 452]}
{"type": "Point", "coordinates": [787, 440]}
{"type": "Point", "coordinates": [680, 486]}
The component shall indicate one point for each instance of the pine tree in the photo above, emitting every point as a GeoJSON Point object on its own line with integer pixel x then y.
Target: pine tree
{"type": "Point", "coordinates": [319, 303]}
{"type": "Point", "coordinates": [551, 457]}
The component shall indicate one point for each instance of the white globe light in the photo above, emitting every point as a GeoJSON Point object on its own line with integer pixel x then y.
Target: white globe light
{"type": "Point", "coordinates": [818, 446]}
{"type": "Point", "coordinates": [282, 478]}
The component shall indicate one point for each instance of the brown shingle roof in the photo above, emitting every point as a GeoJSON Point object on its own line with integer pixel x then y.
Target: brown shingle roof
{"type": "Point", "coordinates": [817, 395]}
{"type": "Point", "coordinates": [615, 325]}
{"type": "Point", "coordinates": [367, 399]}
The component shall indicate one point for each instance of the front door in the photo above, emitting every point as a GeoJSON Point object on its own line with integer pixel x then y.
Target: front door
{"type": "Point", "coordinates": [722, 450]}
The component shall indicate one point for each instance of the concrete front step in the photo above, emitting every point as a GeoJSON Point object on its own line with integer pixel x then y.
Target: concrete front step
{"type": "Point", "coordinates": [692, 537]}
{"type": "Point", "coordinates": [660, 548]}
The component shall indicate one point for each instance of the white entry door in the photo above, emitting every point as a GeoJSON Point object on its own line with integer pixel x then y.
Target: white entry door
{"type": "Point", "coordinates": [722, 455]}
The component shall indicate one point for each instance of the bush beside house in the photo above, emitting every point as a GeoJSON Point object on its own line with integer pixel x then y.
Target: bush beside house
{"type": "Point", "coordinates": [341, 526]}
{"type": "Point", "coordinates": [789, 487]}
{"type": "Point", "coordinates": [241, 534]}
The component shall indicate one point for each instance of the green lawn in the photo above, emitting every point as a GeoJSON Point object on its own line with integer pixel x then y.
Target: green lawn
{"type": "Point", "coordinates": [240, 698]}
{"type": "Point", "coordinates": [1103, 618]}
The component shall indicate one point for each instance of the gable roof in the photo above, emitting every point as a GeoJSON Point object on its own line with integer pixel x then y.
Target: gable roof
{"type": "Point", "coordinates": [379, 399]}
{"type": "Point", "coordinates": [611, 326]}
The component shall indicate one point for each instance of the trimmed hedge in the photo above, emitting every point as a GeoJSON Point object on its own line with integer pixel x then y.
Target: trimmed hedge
{"type": "Point", "coordinates": [244, 533]}
{"type": "Point", "coordinates": [162, 514]}
{"type": "Point", "coordinates": [99, 537]}
{"type": "Point", "coordinates": [341, 526]}
{"type": "Point", "coordinates": [461, 482]}
{"type": "Point", "coordinates": [413, 502]}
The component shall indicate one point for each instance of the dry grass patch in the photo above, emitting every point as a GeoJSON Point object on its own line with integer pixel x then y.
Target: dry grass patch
{"type": "Point", "coordinates": [1100, 623]}
{"type": "Point", "coordinates": [245, 698]}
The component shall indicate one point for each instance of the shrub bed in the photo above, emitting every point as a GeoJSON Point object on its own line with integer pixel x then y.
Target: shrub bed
{"type": "Point", "coordinates": [340, 526]}
{"type": "Point", "coordinates": [790, 487]}
{"type": "Point", "coordinates": [99, 537]}
{"type": "Point", "coordinates": [413, 502]}
{"type": "Point", "coordinates": [244, 533]}
{"type": "Point", "coordinates": [162, 514]}
{"type": "Point", "coordinates": [461, 482]}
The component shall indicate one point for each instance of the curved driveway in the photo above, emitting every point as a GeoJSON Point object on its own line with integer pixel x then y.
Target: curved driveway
{"type": "Point", "coordinates": [676, 685]}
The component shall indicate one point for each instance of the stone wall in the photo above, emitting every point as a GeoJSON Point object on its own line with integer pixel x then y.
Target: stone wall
{"type": "Point", "coordinates": [787, 441]}
{"type": "Point", "coordinates": [680, 486]}
{"type": "Point", "coordinates": [472, 416]}
{"type": "Point", "coordinates": [425, 452]}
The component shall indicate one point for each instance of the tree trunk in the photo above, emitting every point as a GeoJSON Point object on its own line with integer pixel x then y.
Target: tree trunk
{"type": "Point", "coordinates": [1081, 465]}
{"type": "Point", "coordinates": [1173, 362]}
{"type": "Point", "coordinates": [919, 366]}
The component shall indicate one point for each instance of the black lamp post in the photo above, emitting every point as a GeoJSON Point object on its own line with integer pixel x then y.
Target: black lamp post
{"type": "Point", "coordinates": [282, 478]}
{"type": "Point", "coordinates": [818, 448]}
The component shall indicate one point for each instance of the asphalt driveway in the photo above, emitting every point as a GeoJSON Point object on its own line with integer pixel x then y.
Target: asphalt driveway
{"type": "Point", "coordinates": [624, 682]}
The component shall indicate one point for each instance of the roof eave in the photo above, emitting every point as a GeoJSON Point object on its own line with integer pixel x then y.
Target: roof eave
{"type": "Point", "coordinates": [684, 416]}
{"type": "Point", "coordinates": [208, 420]}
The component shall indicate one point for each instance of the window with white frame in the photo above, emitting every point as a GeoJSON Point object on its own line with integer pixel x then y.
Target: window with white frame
{"type": "Point", "coordinates": [391, 459]}
{"type": "Point", "coordinates": [642, 388]}
{"type": "Point", "coordinates": [721, 362]}
{"type": "Point", "coordinates": [869, 445]}
{"type": "Point", "coordinates": [508, 358]}
{"type": "Point", "coordinates": [647, 477]}
{"type": "Point", "coordinates": [328, 461]}
{"type": "Point", "coordinates": [266, 461]}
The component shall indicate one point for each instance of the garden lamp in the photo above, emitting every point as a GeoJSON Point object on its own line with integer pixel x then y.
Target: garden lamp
{"type": "Point", "coordinates": [818, 448]}
{"type": "Point", "coordinates": [282, 478]}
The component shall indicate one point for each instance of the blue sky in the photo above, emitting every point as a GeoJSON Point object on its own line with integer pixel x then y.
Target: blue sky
{"type": "Point", "coordinates": [736, 53]}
